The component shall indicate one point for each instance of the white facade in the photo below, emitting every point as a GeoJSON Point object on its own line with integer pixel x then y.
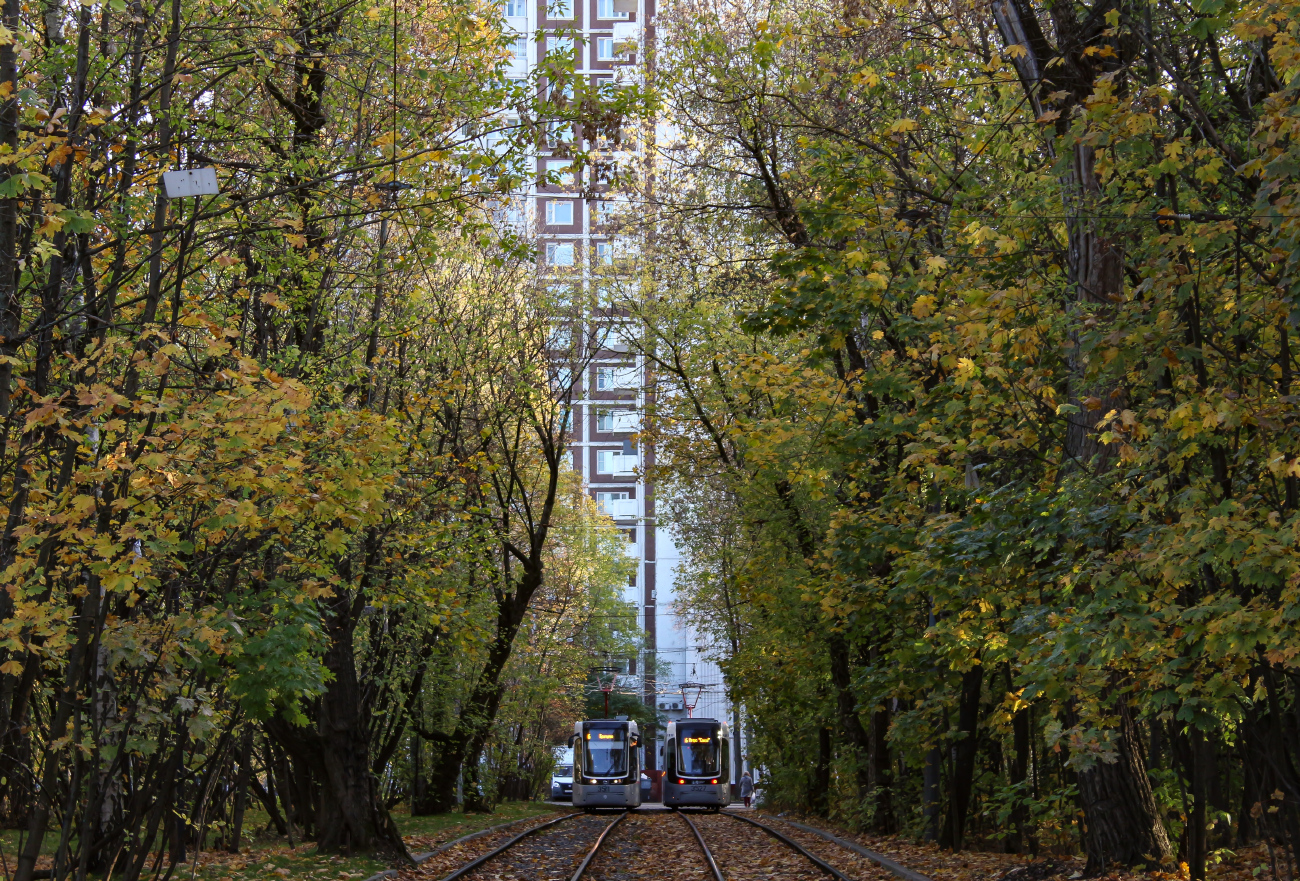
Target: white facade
{"type": "Point", "coordinates": [577, 247]}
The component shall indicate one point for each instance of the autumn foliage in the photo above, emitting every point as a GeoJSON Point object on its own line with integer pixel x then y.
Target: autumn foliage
{"type": "Point", "coordinates": [975, 320]}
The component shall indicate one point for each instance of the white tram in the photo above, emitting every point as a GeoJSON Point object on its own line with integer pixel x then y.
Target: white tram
{"type": "Point", "coordinates": [697, 764]}
{"type": "Point", "coordinates": [606, 764]}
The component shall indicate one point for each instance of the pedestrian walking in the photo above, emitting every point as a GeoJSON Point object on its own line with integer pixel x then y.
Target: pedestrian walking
{"type": "Point", "coordinates": [746, 787]}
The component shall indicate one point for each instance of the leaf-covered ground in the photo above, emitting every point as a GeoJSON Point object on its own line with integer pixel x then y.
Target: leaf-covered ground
{"type": "Point", "coordinates": [658, 846]}
{"type": "Point", "coordinates": [650, 845]}
{"type": "Point", "coordinates": [441, 864]}
{"type": "Point", "coordinates": [552, 855]}
{"type": "Point", "coordinates": [1244, 864]}
{"type": "Point", "coordinates": [269, 859]}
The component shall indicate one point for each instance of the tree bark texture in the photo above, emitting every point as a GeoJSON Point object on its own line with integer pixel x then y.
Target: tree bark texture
{"type": "Point", "coordinates": [458, 752]}
{"type": "Point", "coordinates": [350, 815]}
{"type": "Point", "coordinates": [1123, 825]}
{"type": "Point", "coordinates": [964, 753]}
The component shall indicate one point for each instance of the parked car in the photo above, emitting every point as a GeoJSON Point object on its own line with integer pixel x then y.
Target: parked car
{"type": "Point", "coordinates": [562, 782]}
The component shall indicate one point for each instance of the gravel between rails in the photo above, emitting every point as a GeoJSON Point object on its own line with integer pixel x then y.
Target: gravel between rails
{"type": "Point", "coordinates": [441, 864]}
{"type": "Point", "coordinates": [650, 847]}
{"type": "Point", "coordinates": [552, 855]}
{"type": "Point", "coordinates": [745, 853]}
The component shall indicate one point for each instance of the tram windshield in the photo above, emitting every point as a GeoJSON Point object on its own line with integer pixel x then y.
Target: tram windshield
{"type": "Point", "coordinates": [697, 751]}
{"type": "Point", "coordinates": [606, 752]}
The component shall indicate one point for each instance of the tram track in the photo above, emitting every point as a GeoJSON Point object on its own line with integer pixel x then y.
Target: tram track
{"type": "Point", "coordinates": [593, 847]}
{"type": "Point", "coordinates": [708, 854]}
{"type": "Point", "coordinates": [792, 844]}
{"type": "Point", "coordinates": [742, 871]}
{"type": "Point", "coordinates": [536, 870]}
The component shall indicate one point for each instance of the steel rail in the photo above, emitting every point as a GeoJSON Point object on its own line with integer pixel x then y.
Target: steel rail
{"type": "Point", "coordinates": [591, 854]}
{"type": "Point", "coordinates": [880, 859]}
{"type": "Point", "coordinates": [816, 860]}
{"type": "Point", "coordinates": [476, 863]}
{"type": "Point", "coordinates": [708, 854]}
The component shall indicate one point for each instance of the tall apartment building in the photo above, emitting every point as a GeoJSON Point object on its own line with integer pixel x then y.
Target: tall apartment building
{"type": "Point", "coordinates": [569, 211]}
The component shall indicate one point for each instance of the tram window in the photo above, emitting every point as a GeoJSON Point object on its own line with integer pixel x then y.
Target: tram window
{"type": "Point", "coordinates": [605, 752]}
{"type": "Point", "coordinates": [725, 771]}
{"type": "Point", "coordinates": [670, 759]}
{"type": "Point", "coordinates": [698, 755]}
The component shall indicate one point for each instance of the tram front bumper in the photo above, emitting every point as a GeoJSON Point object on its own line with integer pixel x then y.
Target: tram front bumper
{"type": "Point", "coordinates": [697, 795]}
{"type": "Point", "coordinates": [613, 796]}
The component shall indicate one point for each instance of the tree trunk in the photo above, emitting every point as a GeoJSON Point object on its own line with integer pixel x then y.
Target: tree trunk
{"type": "Point", "coordinates": [459, 752]}
{"type": "Point", "coordinates": [819, 799]}
{"type": "Point", "coordinates": [846, 704]}
{"type": "Point", "coordinates": [350, 815]}
{"type": "Point", "coordinates": [241, 790]}
{"type": "Point", "coordinates": [884, 821]}
{"type": "Point", "coordinates": [964, 753]}
{"type": "Point", "coordinates": [1123, 825]}
{"type": "Point", "coordinates": [1195, 754]}
{"type": "Point", "coordinates": [930, 779]}
{"type": "Point", "coordinates": [1022, 732]}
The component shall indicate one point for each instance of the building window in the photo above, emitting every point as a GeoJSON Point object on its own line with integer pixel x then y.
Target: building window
{"type": "Point", "coordinates": [604, 253]}
{"type": "Point", "coordinates": [561, 337]}
{"type": "Point", "coordinates": [607, 502]}
{"type": "Point", "coordinates": [519, 48]}
{"type": "Point", "coordinates": [559, 253]}
{"type": "Point", "coordinates": [559, 212]}
{"type": "Point", "coordinates": [560, 8]}
{"type": "Point", "coordinates": [614, 462]}
{"type": "Point", "coordinates": [560, 46]}
{"type": "Point", "coordinates": [520, 9]}
{"type": "Point", "coordinates": [605, 10]}
{"type": "Point", "coordinates": [611, 378]}
{"type": "Point", "coordinates": [561, 93]}
{"type": "Point", "coordinates": [604, 48]}
{"type": "Point", "coordinates": [559, 131]}
{"type": "Point", "coordinates": [616, 420]}
{"type": "Point", "coordinates": [560, 173]}
{"type": "Point", "coordinates": [511, 214]}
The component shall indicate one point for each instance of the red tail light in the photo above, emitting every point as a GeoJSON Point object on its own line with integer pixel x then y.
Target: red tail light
{"type": "Point", "coordinates": [680, 780]}
{"type": "Point", "coordinates": [713, 781]}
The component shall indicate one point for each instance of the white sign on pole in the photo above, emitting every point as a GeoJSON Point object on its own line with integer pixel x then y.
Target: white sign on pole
{"type": "Point", "coordinates": [190, 182]}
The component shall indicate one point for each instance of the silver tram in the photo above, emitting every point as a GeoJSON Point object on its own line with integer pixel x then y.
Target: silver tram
{"type": "Point", "coordinates": [697, 764]}
{"type": "Point", "coordinates": [606, 764]}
